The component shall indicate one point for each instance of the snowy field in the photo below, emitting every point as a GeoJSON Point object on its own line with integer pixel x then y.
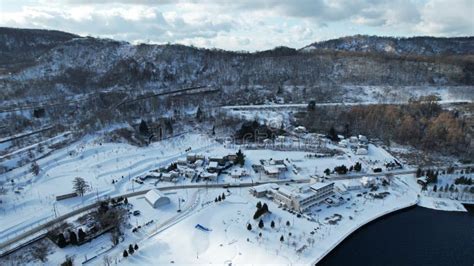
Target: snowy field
{"type": "Point", "coordinates": [230, 242]}
{"type": "Point", "coordinates": [98, 163]}
{"type": "Point", "coordinates": [101, 163]}
{"type": "Point", "coordinates": [172, 237]}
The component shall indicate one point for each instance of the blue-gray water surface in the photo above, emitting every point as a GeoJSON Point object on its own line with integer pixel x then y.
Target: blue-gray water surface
{"type": "Point", "coordinates": [415, 236]}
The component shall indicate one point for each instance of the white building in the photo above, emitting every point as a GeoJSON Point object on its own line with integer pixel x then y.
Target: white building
{"type": "Point", "coordinates": [272, 171]}
{"type": "Point", "coordinates": [363, 139]}
{"type": "Point", "coordinates": [367, 181]}
{"type": "Point", "coordinates": [156, 198]}
{"type": "Point", "coordinates": [263, 190]}
{"type": "Point", "coordinates": [362, 151]}
{"type": "Point", "coordinates": [212, 167]}
{"type": "Point", "coordinates": [352, 184]}
{"type": "Point", "coordinates": [305, 198]}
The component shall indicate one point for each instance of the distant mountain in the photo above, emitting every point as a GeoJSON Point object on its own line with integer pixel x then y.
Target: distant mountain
{"type": "Point", "coordinates": [43, 63]}
{"type": "Point", "coordinates": [419, 46]}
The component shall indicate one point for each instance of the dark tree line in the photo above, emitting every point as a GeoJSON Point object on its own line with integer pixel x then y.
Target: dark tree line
{"type": "Point", "coordinates": [422, 124]}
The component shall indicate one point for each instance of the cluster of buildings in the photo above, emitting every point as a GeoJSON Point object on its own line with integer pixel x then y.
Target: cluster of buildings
{"type": "Point", "coordinates": [274, 168]}
{"type": "Point", "coordinates": [358, 143]}
{"type": "Point", "coordinates": [301, 199]}
{"type": "Point", "coordinates": [196, 167]}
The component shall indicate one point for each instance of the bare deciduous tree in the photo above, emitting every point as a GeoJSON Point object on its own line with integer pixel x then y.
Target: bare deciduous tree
{"type": "Point", "coordinates": [80, 186]}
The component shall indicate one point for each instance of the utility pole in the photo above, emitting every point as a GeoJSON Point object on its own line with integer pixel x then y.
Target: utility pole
{"type": "Point", "coordinates": [179, 204]}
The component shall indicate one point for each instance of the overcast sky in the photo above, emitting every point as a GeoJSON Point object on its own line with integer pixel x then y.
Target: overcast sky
{"type": "Point", "coordinates": [242, 24]}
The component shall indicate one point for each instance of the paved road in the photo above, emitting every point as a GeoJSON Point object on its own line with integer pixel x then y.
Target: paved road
{"type": "Point", "coordinates": [305, 105]}
{"type": "Point", "coordinates": [4, 246]}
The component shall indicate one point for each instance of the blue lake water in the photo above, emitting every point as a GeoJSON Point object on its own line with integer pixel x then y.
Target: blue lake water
{"type": "Point", "coordinates": [415, 236]}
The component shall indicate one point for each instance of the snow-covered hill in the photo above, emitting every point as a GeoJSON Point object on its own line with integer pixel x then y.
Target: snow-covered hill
{"type": "Point", "coordinates": [416, 46]}
{"type": "Point", "coordinates": [59, 62]}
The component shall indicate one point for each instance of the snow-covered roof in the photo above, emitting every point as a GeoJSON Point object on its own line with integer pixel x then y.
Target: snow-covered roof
{"type": "Point", "coordinates": [264, 187]}
{"type": "Point", "coordinates": [153, 195]}
{"type": "Point", "coordinates": [286, 192]}
{"type": "Point", "coordinates": [318, 186]}
{"type": "Point", "coordinates": [213, 165]}
{"type": "Point", "coordinates": [208, 175]}
{"type": "Point", "coordinates": [271, 169]}
{"type": "Point", "coordinates": [351, 183]}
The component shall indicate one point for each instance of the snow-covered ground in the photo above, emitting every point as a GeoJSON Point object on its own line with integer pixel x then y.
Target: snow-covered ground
{"type": "Point", "coordinates": [98, 163]}
{"type": "Point", "coordinates": [172, 236]}
{"type": "Point", "coordinates": [441, 204]}
{"type": "Point", "coordinates": [230, 242]}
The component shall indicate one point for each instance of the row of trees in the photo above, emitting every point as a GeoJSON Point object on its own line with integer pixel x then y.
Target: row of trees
{"type": "Point", "coordinates": [261, 224]}
{"type": "Point", "coordinates": [74, 239]}
{"type": "Point", "coordinates": [220, 198]}
{"type": "Point", "coordinates": [463, 181]}
{"type": "Point", "coordinates": [131, 250]}
{"type": "Point", "coordinates": [342, 169]}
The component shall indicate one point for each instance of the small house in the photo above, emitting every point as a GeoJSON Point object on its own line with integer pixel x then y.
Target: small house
{"type": "Point", "coordinates": [212, 167]}
{"type": "Point", "coordinates": [271, 171]}
{"type": "Point", "coordinates": [209, 176]}
{"type": "Point", "coordinates": [362, 151]}
{"type": "Point", "coordinates": [363, 139]}
{"type": "Point", "coordinates": [263, 190]}
{"type": "Point", "coordinates": [191, 158]}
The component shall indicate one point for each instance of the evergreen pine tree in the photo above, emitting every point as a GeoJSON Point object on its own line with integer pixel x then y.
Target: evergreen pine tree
{"type": "Point", "coordinates": [240, 158]}
{"type": "Point", "coordinates": [249, 227]}
{"type": "Point", "coordinates": [260, 224]}
{"type": "Point", "coordinates": [259, 205]}
{"type": "Point", "coordinates": [125, 254]}
{"type": "Point", "coordinates": [223, 196]}
{"type": "Point", "coordinates": [81, 235]}
{"type": "Point", "coordinates": [143, 128]}
{"type": "Point", "coordinates": [136, 247]}
{"type": "Point", "coordinates": [332, 134]}
{"type": "Point", "coordinates": [282, 239]}
{"type": "Point", "coordinates": [418, 172]}
{"type": "Point", "coordinates": [72, 238]}
{"type": "Point", "coordinates": [130, 249]}
{"type": "Point", "coordinates": [272, 224]}
{"type": "Point", "coordinates": [61, 240]}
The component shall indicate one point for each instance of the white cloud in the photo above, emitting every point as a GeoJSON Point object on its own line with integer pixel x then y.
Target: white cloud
{"type": "Point", "coordinates": [242, 24]}
{"type": "Point", "coordinates": [447, 18]}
